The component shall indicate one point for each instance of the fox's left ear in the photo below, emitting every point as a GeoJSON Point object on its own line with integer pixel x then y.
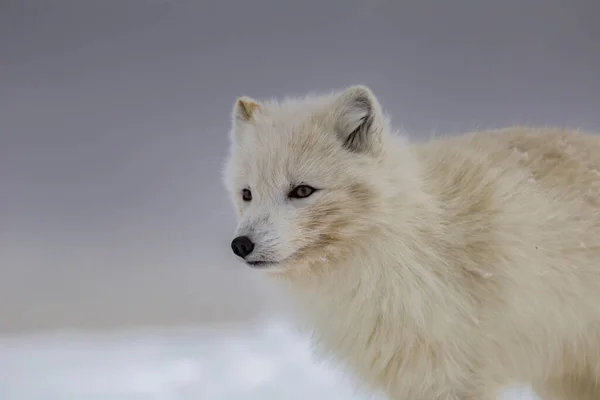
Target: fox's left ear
{"type": "Point", "coordinates": [359, 120]}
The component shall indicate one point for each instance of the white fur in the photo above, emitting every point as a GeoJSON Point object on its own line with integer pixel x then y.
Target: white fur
{"type": "Point", "coordinates": [442, 270]}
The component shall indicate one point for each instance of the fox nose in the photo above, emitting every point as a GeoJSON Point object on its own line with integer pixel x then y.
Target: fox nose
{"type": "Point", "coordinates": [242, 246]}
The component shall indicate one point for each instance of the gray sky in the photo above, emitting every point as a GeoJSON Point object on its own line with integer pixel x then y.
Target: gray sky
{"type": "Point", "coordinates": [114, 118]}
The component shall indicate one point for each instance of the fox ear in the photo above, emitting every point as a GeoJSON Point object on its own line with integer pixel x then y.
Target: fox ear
{"type": "Point", "coordinates": [359, 120]}
{"type": "Point", "coordinates": [245, 109]}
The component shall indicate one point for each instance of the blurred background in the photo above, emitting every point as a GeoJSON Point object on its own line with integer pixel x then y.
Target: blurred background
{"type": "Point", "coordinates": [114, 117]}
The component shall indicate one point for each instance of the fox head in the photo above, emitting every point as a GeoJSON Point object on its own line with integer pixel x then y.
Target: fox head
{"type": "Point", "coordinates": [302, 175]}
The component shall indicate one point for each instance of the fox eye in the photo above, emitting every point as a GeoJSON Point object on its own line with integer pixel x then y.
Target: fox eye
{"type": "Point", "coordinates": [246, 195]}
{"type": "Point", "coordinates": [301, 192]}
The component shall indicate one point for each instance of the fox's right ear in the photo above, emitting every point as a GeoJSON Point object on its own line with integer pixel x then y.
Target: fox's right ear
{"type": "Point", "coordinates": [245, 110]}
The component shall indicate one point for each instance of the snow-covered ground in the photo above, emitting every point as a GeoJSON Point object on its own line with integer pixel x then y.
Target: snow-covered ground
{"type": "Point", "coordinates": [266, 361]}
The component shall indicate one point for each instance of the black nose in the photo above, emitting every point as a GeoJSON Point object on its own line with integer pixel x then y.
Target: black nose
{"type": "Point", "coordinates": [242, 246]}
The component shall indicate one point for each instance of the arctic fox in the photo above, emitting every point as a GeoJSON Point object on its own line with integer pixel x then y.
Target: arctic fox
{"type": "Point", "coordinates": [443, 270]}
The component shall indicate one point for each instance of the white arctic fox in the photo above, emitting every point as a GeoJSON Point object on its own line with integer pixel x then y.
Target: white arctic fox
{"type": "Point", "coordinates": [443, 270]}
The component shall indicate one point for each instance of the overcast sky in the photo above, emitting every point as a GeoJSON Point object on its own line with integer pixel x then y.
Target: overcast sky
{"type": "Point", "coordinates": [114, 118]}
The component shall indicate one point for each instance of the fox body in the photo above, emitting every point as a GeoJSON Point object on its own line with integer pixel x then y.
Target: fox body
{"type": "Point", "coordinates": [446, 269]}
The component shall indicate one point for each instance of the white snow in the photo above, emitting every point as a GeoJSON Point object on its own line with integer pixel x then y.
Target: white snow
{"type": "Point", "coordinates": [266, 361]}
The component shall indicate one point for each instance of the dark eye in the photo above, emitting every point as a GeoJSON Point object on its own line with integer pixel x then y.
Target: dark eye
{"type": "Point", "coordinates": [301, 192]}
{"type": "Point", "coordinates": [246, 195]}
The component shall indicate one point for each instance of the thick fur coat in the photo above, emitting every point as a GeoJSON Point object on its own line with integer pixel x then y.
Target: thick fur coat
{"type": "Point", "coordinates": [442, 270]}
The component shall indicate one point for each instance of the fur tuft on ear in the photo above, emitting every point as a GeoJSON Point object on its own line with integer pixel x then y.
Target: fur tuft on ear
{"type": "Point", "coordinates": [359, 120]}
{"type": "Point", "coordinates": [245, 109]}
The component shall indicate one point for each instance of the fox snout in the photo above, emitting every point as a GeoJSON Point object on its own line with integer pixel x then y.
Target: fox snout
{"type": "Point", "coordinates": [242, 246]}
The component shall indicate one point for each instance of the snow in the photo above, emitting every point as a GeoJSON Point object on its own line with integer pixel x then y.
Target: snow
{"type": "Point", "coordinates": [263, 361]}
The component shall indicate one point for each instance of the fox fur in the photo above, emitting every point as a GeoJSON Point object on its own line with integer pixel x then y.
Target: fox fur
{"type": "Point", "coordinates": [439, 270]}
